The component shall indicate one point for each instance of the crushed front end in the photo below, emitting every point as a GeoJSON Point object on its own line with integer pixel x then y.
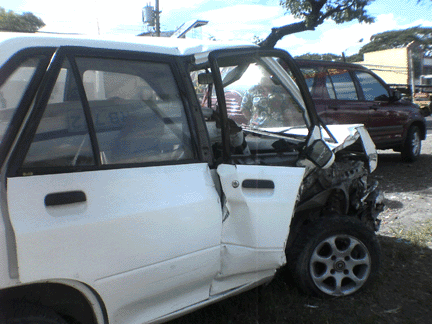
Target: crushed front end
{"type": "Point", "coordinates": [347, 187]}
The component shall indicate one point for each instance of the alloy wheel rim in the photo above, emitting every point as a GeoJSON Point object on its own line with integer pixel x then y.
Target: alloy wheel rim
{"type": "Point", "coordinates": [340, 265]}
{"type": "Point", "coordinates": [416, 143]}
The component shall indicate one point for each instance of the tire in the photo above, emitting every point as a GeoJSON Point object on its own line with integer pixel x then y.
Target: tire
{"type": "Point", "coordinates": [337, 256]}
{"type": "Point", "coordinates": [412, 146]}
{"type": "Point", "coordinates": [25, 313]}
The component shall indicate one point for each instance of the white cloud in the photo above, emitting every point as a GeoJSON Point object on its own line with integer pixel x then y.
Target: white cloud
{"type": "Point", "coordinates": [333, 38]}
{"type": "Point", "coordinates": [243, 22]}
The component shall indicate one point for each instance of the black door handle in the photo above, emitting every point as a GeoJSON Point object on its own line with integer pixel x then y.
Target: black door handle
{"type": "Point", "coordinates": [65, 198]}
{"type": "Point", "coordinates": [258, 184]}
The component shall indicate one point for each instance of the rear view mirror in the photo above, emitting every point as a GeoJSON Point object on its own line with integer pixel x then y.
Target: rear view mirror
{"type": "Point", "coordinates": [205, 78]}
{"type": "Point", "coordinates": [319, 153]}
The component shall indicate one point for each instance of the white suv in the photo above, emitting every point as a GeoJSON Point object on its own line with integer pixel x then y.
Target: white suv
{"type": "Point", "coordinates": [126, 199]}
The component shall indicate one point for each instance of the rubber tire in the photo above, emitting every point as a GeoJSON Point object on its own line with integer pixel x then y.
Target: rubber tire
{"type": "Point", "coordinates": [327, 227]}
{"type": "Point", "coordinates": [26, 313]}
{"type": "Point", "coordinates": [410, 151]}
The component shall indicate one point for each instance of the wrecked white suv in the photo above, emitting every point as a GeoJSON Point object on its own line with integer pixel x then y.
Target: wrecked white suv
{"type": "Point", "coordinates": [128, 197]}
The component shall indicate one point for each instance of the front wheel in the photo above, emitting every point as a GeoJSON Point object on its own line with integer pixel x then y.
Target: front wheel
{"type": "Point", "coordinates": [412, 146]}
{"type": "Point", "coordinates": [338, 257]}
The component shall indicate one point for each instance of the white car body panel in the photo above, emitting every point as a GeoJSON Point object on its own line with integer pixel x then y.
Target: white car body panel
{"type": "Point", "coordinates": [255, 231]}
{"type": "Point", "coordinates": [347, 135]}
{"type": "Point", "coordinates": [162, 222]}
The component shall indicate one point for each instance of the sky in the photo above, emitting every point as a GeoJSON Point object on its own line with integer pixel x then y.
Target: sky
{"type": "Point", "coordinates": [228, 20]}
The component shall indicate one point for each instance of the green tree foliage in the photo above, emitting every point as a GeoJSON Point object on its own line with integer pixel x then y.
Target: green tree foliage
{"type": "Point", "coordinates": [320, 57]}
{"type": "Point", "coordinates": [400, 38]}
{"type": "Point", "coordinates": [330, 57]}
{"type": "Point", "coordinates": [314, 12]}
{"type": "Point", "coordinates": [27, 22]}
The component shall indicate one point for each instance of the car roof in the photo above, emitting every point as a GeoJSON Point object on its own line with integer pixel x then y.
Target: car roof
{"type": "Point", "coordinates": [11, 43]}
{"type": "Point", "coordinates": [306, 63]}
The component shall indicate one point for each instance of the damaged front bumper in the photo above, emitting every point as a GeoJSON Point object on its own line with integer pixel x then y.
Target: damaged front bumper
{"type": "Point", "coordinates": [345, 136]}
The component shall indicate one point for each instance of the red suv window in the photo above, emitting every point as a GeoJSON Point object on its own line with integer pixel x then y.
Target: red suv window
{"type": "Point", "coordinates": [373, 90]}
{"type": "Point", "coordinates": [343, 84]}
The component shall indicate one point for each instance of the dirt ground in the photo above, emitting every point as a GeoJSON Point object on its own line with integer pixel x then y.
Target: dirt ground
{"type": "Point", "coordinates": [407, 188]}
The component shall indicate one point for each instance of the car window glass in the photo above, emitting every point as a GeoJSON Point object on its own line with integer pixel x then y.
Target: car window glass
{"type": "Point", "coordinates": [329, 87]}
{"type": "Point", "coordinates": [372, 88]}
{"type": "Point", "coordinates": [137, 111]}
{"type": "Point", "coordinates": [12, 90]}
{"type": "Point", "coordinates": [319, 83]}
{"type": "Point", "coordinates": [258, 99]}
{"type": "Point", "coordinates": [343, 84]}
{"type": "Point", "coordinates": [62, 137]}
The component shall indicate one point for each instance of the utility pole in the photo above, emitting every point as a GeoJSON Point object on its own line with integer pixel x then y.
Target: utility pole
{"type": "Point", "coordinates": [151, 17]}
{"type": "Point", "coordinates": [157, 12]}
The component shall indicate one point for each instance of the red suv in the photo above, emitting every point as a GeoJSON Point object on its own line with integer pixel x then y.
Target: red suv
{"type": "Point", "coordinates": [347, 93]}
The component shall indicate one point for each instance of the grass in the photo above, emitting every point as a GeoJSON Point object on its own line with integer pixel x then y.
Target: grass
{"type": "Point", "coordinates": [420, 235]}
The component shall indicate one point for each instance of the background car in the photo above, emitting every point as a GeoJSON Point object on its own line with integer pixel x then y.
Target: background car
{"type": "Point", "coordinates": [347, 93]}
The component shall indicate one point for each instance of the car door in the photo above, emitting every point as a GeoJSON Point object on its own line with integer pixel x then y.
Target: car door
{"type": "Point", "coordinates": [345, 108]}
{"type": "Point", "coordinates": [259, 200]}
{"type": "Point", "coordinates": [386, 119]}
{"type": "Point", "coordinates": [105, 186]}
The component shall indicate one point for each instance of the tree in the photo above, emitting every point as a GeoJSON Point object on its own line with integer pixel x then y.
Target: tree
{"type": "Point", "coordinates": [315, 12]}
{"type": "Point", "coordinates": [27, 22]}
{"type": "Point", "coordinates": [320, 57]}
{"type": "Point", "coordinates": [400, 38]}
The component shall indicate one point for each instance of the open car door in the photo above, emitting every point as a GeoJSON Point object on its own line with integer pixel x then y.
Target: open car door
{"type": "Point", "coordinates": [260, 185]}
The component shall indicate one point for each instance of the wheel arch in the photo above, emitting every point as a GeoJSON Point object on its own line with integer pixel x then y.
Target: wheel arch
{"type": "Point", "coordinates": [73, 300]}
{"type": "Point", "coordinates": [312, 209]}
{"type": "Point", "coordinates": [421, 125]}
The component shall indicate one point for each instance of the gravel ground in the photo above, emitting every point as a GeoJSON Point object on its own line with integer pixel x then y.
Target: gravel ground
{"type": "Point", "coordinates": [407, 188]}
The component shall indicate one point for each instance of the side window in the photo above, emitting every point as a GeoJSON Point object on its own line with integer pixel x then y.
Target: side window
{"type": "Point", "coordinates": [319, 83]}
{"type": "Point", "coordinates": [62, 137]}
{"type": "Point", "coordinates": [137, 111]}
{"type": "Point", "coordinates": [12, 91]}
{"type": "Point", "coordinates": [343, 84]}
{"type": "Point", "coordinates": [373, 90]}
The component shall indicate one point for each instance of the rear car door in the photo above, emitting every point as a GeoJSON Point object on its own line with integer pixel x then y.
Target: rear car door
{"type": "Point", "coordinates": [345, 108]}
{"type": "Point", "coordinates": [105, 185]}
{"type": "Point", "coordinates": [386, 119]}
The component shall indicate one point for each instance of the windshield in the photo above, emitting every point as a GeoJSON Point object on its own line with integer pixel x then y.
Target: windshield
{"type": "Point", "coordinates": [259, 95]}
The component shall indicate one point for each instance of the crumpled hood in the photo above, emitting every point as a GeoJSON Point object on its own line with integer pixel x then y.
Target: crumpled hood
{"type": "Point", "coordinates": [347, 135]}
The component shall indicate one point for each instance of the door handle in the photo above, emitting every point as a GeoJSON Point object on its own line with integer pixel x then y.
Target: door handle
{"type": "Point", "coordinates": [65, 198]}
{"type": "Point", "coordinates": [258, 184]}
{"type": "Point", "coordinates": [333, 107]}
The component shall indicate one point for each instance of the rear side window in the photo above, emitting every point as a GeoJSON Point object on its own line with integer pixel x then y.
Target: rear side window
{"type": "Point", "coordinates": [62, 137]}
{"type": "Point", "coordinates": [343, 84]}
{"type": "Point", "coordinates": [319, 83]}
{"type": "Point", "coordinates": [130, 112]}
{"type": "Point", "coordinates": [137, 111]}
{"type": "Point", "coordinates": [12, 91]}
{"type": "Point", "coordinates": [373, 90]}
